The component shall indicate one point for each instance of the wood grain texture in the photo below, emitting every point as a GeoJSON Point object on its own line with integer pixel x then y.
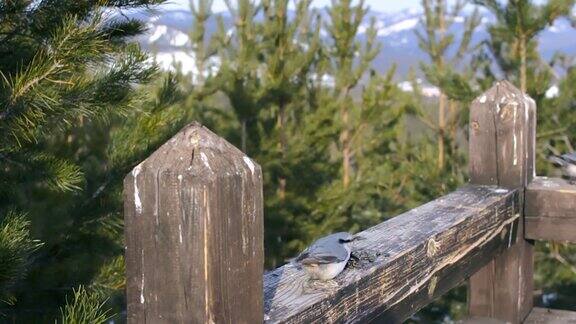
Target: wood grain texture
{"type": "Point", "coordinates": [481, 320]}
{"type": "Point", "coordinates": [194, 233]}
{"type": "Point", "coordinates": [502, 135]}
{"type": "Point", "coordinates": [550, 316]}
{"type": "Point", "coordinates": [405, 262]}
{"type": "Point", "coordinates": [559, 229]}
{"type": "Point", "coordinates": [537, 315]}
{"type": "Point", "coordinates": [550, 209]}
{"type": "Point", "coordinates": [502, 141]}
{"type": "Point", "coordinates": [551, 197]}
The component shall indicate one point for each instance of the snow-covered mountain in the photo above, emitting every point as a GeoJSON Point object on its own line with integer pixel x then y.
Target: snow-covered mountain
{"type": "Point", "coordinates": [167, 37]}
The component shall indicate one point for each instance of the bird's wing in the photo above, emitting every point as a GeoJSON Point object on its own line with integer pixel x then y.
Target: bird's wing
{"type": "Point", "coordinates": [570, 157]}
{"type": "Point", "coordinates": [325, 250]}
{"type": "Point", "coordinates": [316, 258]}
{"type": "Point", "coordinates": [558, 161]}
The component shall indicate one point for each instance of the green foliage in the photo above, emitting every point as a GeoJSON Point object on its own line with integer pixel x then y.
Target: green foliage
{"type": "Point", "coordinates": [345, 19]}
{"type": "Point", "coordinates": [67, 78]}
{"type": "Point", "coordinates": [524, 17]}
{"type": "Point", "coordinates": [86, 307]}
{"type": "Point", "coordinates": [556, 119]}
{"type": "Point", "coordinates": [16, 246]}
{"type": "Point", "coordinates": [512, 42]}
{"type": "Point", "coordinates": [446, 69]}
{"type": "Point", "coordinates": [111, 277]}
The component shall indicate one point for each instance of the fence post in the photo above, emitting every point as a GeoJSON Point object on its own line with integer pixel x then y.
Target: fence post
{"type": "Point", "coordinates": [502, 141]}
{"type": "Point", "coordinates": [194, 233]}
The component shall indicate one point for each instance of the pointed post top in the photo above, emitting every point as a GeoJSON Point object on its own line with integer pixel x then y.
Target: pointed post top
{"type": "Point", "coordinates": [502, 92]}
{"type": "Point", "coordinates": [194, 224]}
{"type": "Point", "coordinates": [502, 136]}
{"type": "Point", "coordinates": [197, 151]}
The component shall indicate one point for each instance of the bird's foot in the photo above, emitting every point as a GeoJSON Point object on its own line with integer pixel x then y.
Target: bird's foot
{"type": "Point", "coordinates": [364, 257]}
{"type": "Point", "coordinates": [354, 260]}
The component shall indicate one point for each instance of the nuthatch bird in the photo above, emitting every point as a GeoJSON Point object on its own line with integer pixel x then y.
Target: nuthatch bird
{"type": "Point", "coordinates": [326, 257]}
{"type": "Point", "coordinates": [567, 163]}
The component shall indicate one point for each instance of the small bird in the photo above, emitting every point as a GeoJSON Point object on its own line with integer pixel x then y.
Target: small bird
{"type": "Point", "coordinates": [567, 163]}
{"type": "Point", "coordinates": [326, 257]}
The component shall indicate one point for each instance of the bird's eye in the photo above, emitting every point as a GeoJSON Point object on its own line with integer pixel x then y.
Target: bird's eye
{"type": "Point", "coordinates": [344, 241]}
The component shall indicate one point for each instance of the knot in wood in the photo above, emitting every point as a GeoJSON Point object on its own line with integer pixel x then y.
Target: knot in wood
{"type": "Point", "coordinates": [475, 125]}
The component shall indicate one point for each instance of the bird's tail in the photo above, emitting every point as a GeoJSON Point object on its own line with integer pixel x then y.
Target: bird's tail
{"type": "Point", "coordinates": [556, 160]}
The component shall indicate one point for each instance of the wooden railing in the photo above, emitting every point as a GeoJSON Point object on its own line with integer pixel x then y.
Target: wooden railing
{"type": "Point", "coordinates": [194, 235]}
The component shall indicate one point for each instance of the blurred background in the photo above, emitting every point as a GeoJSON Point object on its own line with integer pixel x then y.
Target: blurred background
{"type": "Point", "coordinates": [356, 111]}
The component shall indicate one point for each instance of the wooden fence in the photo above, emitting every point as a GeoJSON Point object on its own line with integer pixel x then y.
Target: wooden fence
{"type": "Point", "coordinates": [194, 235]}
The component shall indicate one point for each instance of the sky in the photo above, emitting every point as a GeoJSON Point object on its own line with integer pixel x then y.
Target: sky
{"type": "Point", "coordinates": [377, 5]}
{"type": "Point", "coordinates": [388, 6]}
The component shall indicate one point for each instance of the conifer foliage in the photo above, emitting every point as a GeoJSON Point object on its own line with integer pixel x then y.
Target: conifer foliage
{"type": "Point", "coordinates": [512, 43]}
{"type": "Point", "coordinates": [446, 52]}
{"type": "Point", "coordinates": [66, 70]}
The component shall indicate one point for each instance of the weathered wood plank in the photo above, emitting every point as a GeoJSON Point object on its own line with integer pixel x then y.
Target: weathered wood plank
{"type": "Point", "coordinates": [550, 197]}
{"type": "Point", "coordinates": [559, 229]}
{"type": "Point", "coordinates": [550, 209]}
{"type": "Point", "coordinates": [405, 262]}
{"type": "Point", "coordinates": [194, 233]}
{"type": "Point", "coordinates": [537, 316]}
{"type": "Point", "coordinates": [481, 320]}
{"type": "Point", "coordinates": [502, 137]}
{"type": "Point", "coordinates": [550, 316]}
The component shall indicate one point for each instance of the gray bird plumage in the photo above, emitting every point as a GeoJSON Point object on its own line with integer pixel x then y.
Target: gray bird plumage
{"type": "Point", "coordinates": [326, 258]}
{"type": "Point", "coordinates": [567, 163]}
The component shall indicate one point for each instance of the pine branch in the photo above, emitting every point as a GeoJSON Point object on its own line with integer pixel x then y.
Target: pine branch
{"type": "Point", "coordinates": [16, 247]}
{"type": "Point", "coordinates": [31, 167]}
{"type": "Point", "coordinates": [85, 307]}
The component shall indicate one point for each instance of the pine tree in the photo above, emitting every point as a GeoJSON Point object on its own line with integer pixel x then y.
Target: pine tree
{"type": "Point", "coordinates": [16, 246]}
{"type": "Point", "coordinates": [512, 41]}
{"type": "Point", "coordinates": [238, 74]}
{"type": "Point", "coordinates": [349, 61]}
{"type": "Point", "coordinates": [366, 119]}
{"type": "Point", "coordinates": [85, 308]}
{"type": "Point", "coordinates": [438, 41]}
{"type": "Point", "coordinates": [287, 55]}
{"type": "Point", "coordinates": [202, 49]}
{"type": "Point", "coordinates": [67, 75]}
{"type": "Point", "coordinates": [266, 74]}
